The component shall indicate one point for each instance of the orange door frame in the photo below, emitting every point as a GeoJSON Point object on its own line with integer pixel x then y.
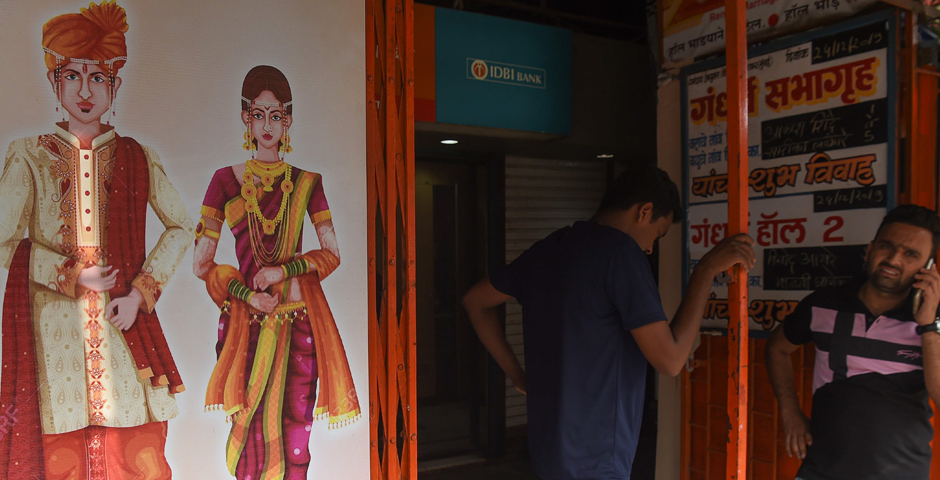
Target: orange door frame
{"type": "Point", "coordinates": [923, 177]}
{"type": "Point", "coordinates": [920, 174]}
{"type": "Point", "coordinates": [390, 157]}
{"type": "Point", "coordinates": [738, 172]}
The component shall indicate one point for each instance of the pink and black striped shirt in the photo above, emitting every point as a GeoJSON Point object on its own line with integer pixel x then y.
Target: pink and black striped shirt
{"type": "Point", "coordinates": [870, 417]}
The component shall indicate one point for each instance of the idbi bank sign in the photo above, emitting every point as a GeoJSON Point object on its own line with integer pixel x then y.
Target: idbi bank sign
{"type": "Point", "coordinates": [503, 73]}
{"type": "Point", "coordinates": [500, 73]}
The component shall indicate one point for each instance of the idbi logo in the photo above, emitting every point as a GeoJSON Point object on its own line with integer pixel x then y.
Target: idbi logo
{"type": "Point", "coordinates": [519, 75]}
{"type": "Point", "coordinates": [479, 69]}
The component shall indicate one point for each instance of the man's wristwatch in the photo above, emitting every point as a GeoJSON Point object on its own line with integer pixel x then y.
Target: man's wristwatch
{"type": "Point", "coordinates": [930, 327]}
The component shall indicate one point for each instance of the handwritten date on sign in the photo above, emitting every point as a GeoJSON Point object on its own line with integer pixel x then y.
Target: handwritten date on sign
{"type": "Point", "coordinates": [853, 42]}
{"type": "Point", "coordinates": [850, 198]}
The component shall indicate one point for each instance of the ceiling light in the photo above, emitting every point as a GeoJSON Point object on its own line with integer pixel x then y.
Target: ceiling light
{"type": "Point", "coordinates": [605, 155]}
{"type": "Point", "coordinates": [449, 142]}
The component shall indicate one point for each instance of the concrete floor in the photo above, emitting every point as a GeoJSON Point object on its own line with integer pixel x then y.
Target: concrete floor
{"type": "Point", "coordinates": [513, 470]}
{"type": "Point", "coordinates": [509, 470]}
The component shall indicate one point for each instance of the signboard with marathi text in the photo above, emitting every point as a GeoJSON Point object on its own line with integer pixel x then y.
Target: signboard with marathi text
{"type": "Point", "coordinates": [821, 157]}
{"type": "Point", "coordinates": [692, 28]}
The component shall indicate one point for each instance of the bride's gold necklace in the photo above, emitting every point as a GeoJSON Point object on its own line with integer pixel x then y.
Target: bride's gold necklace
{"type": "Point", "coordinates": [268, 173]}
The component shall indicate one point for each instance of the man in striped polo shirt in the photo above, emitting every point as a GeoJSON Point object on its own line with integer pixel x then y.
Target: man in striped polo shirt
{"type": "Point", "coordinates": [876, 361]}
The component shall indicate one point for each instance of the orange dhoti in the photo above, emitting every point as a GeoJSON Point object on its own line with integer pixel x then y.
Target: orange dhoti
{"type": "Point", "coordinates": [108, 453]}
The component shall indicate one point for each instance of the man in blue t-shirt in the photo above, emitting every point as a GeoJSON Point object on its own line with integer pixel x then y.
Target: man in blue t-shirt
{"type": "Point", "coordinates": [592, 318]}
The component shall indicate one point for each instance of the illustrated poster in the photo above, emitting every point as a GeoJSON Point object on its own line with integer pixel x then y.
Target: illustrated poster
{"type": "Point", "coordinates": [183, 240]}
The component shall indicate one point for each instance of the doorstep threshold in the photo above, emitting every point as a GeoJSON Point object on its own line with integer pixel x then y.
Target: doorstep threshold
{"type": "Point", "coordinates": [449, 462]}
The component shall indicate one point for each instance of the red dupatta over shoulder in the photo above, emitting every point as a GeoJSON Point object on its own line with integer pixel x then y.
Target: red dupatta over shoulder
{"type": "Point", "coordinates": [129, 194]}
{"type": "Point", "coordinates": [20, 427]}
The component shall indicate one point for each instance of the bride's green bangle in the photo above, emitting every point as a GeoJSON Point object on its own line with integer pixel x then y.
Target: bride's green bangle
{"type": "Point", "coordinates": [240, 291]}
{"type": "Point", "coordinates": [295, 268]}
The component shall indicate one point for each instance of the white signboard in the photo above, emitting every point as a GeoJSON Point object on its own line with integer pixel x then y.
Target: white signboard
{"type": "Point", "coordinates": [693, 28]}
{"type": "Point", "coordinates": [820, 159]}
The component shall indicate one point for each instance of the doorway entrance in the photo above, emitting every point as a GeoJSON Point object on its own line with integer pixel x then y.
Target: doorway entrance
{"type": "Point", "coordinates": [451, 242]}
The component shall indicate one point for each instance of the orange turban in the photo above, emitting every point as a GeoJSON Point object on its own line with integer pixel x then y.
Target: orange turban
{"type": "Point", "coordinates": [97, 33]}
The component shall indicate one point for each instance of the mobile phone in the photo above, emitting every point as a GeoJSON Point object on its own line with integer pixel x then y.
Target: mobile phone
{"type": "Point", "coordinates": [918, 293]}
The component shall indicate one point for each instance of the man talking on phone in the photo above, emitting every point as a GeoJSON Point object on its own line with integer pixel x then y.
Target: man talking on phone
{"type": "Point", "coordinates": [877, 358]}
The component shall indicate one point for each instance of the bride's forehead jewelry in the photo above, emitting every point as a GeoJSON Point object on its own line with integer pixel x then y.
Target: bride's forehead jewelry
{"type": "Point", "coordinates": [267, 104]}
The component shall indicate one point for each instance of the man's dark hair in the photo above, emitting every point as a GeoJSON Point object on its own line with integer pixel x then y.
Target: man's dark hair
{"type": "Point", "coordinates": [642, 185]}
{"type": "Point", "coordinates": [917, 216]}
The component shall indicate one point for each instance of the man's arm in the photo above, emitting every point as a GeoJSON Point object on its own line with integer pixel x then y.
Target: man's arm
{"type": "Point", "coordinates": [667, 346]}
{"type": "Point", "coordinates": [179, 233]}
{"type": "Point", "coordinates": [481, 302]}
{"type": "Point", "coordinates": [777, 355]}
{"type": "Point", "coordinates": [929, 282]}
{"type": "Point", "coordinates": [931, 350]}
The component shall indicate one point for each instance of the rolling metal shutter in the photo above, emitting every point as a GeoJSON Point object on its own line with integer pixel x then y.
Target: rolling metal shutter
{"type": "Point", "coordinates": [541, 197]}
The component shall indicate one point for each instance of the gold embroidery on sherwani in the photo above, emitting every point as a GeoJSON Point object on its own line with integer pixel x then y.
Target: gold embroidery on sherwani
{"type": "Point", "coordinates": [86, 375]}
{"type": "Point", "coordinates": [149, 287]}
{"type": "Point", "coordinates": [95, 368]}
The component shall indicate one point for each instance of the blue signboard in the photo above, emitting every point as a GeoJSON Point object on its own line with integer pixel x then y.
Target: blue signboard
{"type": "Point", "coordinates": [494, 72]}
